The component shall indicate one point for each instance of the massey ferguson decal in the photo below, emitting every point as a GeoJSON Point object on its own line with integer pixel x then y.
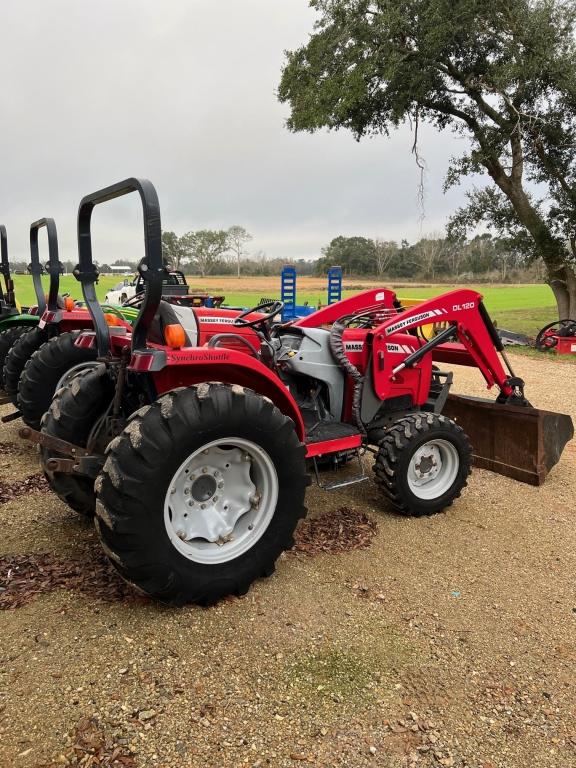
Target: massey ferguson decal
{"type": "Point", "coordinates": [358, 346]}
{"type": "Point", "coordinates": [431, 315]}
{"type": "Point", "coordinates": [221, 320]}
{"type": "Point", "coordinates": [399, 349]}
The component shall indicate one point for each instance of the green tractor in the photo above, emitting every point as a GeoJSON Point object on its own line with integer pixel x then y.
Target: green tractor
{"type": "Point", "coordinates": [13, 321]}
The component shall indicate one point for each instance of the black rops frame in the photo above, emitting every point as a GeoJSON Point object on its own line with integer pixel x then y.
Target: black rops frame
{"type": "Point", "coordinates": [53, 266]}
{"type": "Point", "coordinates": [151, 268]}
{"type": "Point", "coordinates": [7, 298]}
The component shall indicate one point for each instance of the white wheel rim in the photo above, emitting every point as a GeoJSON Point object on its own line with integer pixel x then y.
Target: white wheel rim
{"type": "Point", "coordinates": [433, 469]}
{"type": "Point", "coordinates": [75, 371]}
{"type": "Point", "coordinates": [221, 500]}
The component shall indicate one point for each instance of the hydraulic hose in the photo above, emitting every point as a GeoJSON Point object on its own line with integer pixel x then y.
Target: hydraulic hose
{"type": "Point", "coordinates": [339, 354]}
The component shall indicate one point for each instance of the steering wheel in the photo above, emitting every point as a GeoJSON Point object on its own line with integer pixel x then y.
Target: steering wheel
{"type": "Point", "coordinates": [273, 308]}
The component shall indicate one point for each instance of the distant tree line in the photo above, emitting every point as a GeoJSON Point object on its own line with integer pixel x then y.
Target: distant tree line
{"type": "Point", "coordinates": [434, 258]}
{"type": "Point", "coordinates": [431, 258]}
{"type": "Point", "coordinates": [206, 251]}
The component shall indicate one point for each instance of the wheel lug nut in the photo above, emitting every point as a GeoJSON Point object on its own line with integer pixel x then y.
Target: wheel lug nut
{"type": "Point", "coordinates": [202, 506]}
{"type": "Point", "coordinates": [214, 499]}
{"type": "Point", "coordinates": [190, 503]}
{"type": "Point", "coordinates": [186, 491]}
{"type": "Point", "coordinates": [220, 485]}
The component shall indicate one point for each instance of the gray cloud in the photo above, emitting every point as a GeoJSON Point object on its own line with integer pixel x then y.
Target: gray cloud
{"type": "Point", "coordinates": [183, 92]}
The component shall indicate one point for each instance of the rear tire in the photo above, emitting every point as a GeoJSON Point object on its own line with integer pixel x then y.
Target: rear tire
{"type": "Point", "coordinates": [21, 351]}
{"type": "Point", "coordinates": [43, 372]}
{"type": "Point", "coordinates": [72, 415]}
{"type": "Point", "coordinates": [139, 520]}
{"type": "Point", "coordinates": [7, 340]}
{"type": "Point", "coordinates": [423, 464]}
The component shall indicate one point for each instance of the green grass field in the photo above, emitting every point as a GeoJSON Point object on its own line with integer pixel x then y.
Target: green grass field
{"type": "Point", "coordinates": [522, 308]}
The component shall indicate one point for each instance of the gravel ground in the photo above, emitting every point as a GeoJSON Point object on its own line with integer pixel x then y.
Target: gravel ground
{"type": "Point", "coordinates": [448, 641]}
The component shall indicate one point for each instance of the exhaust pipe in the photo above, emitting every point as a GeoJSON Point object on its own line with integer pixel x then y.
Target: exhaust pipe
{"type": "Point", "coordinates": [523, 443]}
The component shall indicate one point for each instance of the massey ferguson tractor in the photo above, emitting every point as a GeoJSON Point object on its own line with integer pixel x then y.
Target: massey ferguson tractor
{"type": "Point", "coordinates": [199, 452]}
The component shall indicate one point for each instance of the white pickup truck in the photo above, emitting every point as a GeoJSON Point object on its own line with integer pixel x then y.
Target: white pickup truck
{"type": "Point", "coordinates": [121, 292]}
{"type": "Point", "coordinates": [174, 285]}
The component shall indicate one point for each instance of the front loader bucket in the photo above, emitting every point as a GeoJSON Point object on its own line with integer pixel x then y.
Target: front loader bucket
{"type": "Point", "coordinates": [523, 443]}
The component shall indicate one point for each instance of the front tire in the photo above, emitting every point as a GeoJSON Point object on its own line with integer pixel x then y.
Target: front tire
{"type": "Point", "coordinates": [184, 483]}
{"type": "Point", "coordinates": [44, 372]}
{"type": "Point", "coordinates": [21, 351]}
{"type": "Point", "coordinates": [423, 463]}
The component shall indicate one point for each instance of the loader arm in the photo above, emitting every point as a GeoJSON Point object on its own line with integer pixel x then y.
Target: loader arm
{"type": "Point", "coordinates": [379, 300]}
{"type": "Point", "coordinates": [474, 341]}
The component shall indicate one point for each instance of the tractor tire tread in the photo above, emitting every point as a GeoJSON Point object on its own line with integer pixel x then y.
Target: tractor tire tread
{"type": "Point", "coordinates": [141, 550]}
{"type": "Point", "coordinates": [7, 339]}
{"type": "Point", "coordinates": [21, 351]}
{"type": "Point", "coordinates": [392, 449]}
{"type": "Point", "coordinates": [43, 371]}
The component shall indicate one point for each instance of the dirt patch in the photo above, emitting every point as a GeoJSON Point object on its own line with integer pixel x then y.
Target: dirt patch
{"type": "Point", "coordinates": [10, 449]}
{"type": "Point", "coordinates": [331, 532]}
{"type": "Point", "coordinates": [30, 484]}
{"type": "Point", "coordinates": [25, 577]}
{"type": "Point", "coordinates": [90, 746]}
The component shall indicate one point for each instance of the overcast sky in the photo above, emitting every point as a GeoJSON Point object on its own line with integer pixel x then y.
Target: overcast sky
{"type": "Point", "coordinates": [183, 92]}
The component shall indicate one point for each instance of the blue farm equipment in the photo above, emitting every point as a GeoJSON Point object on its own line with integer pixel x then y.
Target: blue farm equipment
{"type": "Point", "coordinates": [292, 310]}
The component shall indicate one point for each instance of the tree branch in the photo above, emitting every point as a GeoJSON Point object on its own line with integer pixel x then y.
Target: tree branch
{"type": "Point", "coordinates": [517, 156]}
{"type": "Point", "coordinates": [475, 94]}
{"type": "Point", "coordinates": [552, 169]}
{"type": "Point", "coordinates": [492, 162]}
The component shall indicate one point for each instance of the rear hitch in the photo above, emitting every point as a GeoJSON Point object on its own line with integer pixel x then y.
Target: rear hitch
{"type": "Point", "coordinates": [88, 466]}
{"type": "Point", "coordinates": [80, 462]}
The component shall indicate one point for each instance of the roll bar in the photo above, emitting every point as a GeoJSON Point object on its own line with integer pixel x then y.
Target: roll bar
{"type": "Point", "coordinates": [151, 268]}
{"type": "Point", "coordinates": [53, 267]}
{"type": "Point", "coordinates": [7, 297]}
{"type": "Point", "coordinates": [35, 268]}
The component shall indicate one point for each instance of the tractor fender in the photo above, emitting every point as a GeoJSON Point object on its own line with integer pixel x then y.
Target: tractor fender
{"type": "Point", "coordinates": [19, 320]}
{"type": "Point", "coordinates": [199, 365]}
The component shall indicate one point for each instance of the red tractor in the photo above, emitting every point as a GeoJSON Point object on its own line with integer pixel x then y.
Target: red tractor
{"type": "Point", "coordinates": [200, 452]}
